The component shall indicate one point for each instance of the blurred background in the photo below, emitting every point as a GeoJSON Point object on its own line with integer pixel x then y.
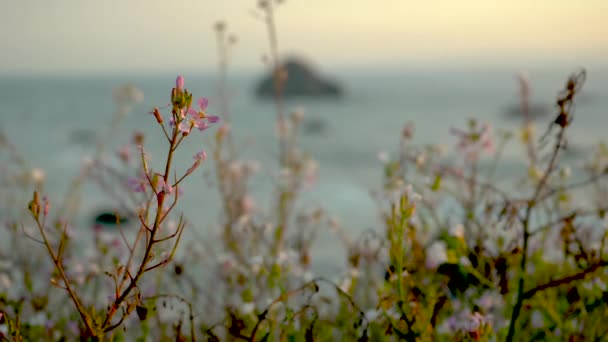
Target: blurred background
{"type": "Point", "coordinates": [434, 63]}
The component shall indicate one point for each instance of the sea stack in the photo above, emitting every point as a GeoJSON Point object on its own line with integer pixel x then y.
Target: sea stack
{"type": "Point", "coordinates": [301, 80]}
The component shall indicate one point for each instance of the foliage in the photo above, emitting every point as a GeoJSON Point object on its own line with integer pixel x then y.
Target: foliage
{"type": "Point", "coordinates": [456, 257]}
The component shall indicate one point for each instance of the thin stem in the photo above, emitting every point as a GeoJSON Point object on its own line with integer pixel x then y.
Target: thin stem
{"type": "Point", "coordinates": [526, 231]}
{"type": "Point", "coordinates": [146, 258]}
{"type": "Point", "coordinates": [68, 287]}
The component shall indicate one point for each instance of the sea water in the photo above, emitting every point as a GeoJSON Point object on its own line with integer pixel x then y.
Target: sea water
{"type": "Point", "coordinates": [54, 121]}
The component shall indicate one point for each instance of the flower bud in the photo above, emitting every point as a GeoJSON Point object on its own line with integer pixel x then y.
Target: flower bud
{"type": "Point", "coordinates": [46, 206]}
{"type": "Point", "coordinates": [34, 205]}
{"type": "Point", "coordinates": [138, 138]}
{"type": "Point", "coordinates": [179, 83]}
{"type": "Point", "coordinates": [220, 26]}
{"type": "Point", "coordinates": [157, 115]}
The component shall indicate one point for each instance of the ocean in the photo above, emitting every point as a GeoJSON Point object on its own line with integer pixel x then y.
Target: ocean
{"type": "Point", "coordinates": [53, 121]}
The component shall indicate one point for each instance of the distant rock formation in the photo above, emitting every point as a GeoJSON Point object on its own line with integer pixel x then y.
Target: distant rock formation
{"type": "Point", "coordinates": [302, 80]}
{"type": "Point", "coordinates": [535, 111]}
{"type": "Point", "coordinates": [314, 126]}
{"type": "Point", "coordinates": [111, 218]}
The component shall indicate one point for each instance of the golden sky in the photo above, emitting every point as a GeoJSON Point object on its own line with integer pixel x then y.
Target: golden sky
{"type": "Point", "coordinates": [168, 35]}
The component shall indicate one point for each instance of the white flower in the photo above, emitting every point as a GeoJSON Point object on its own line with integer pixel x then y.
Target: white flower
{"type": "Point", "coordinates": [371, 315]}
{"type": "Point", "coordinates": [411, 194]}
{"type": "Point", "coordinates": [537, 320]}
{"type": "Point", "coordinates": [346, 284]}
{"type": "Point", "coordinates": [256, 263]}
{"type": "Point", "coordinates": [383, 157]}
{"type": "Point", "coordinates": [457, 231]}
{"type": "Point", "coordinates": [464, 261]}
{"type": "Point", "coordinates": [565, 172]}
{"type": "Point", "coordinates": [247, 308]}
{"type": "Point", "coordinates": [5, 281]}
{"type": "Point", "coordinates": [3, 330]}
{"type": "Point", "coordinates": [436, 254]}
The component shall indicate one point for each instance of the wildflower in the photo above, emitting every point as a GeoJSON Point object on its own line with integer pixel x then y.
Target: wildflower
{"type": "Point", "coordinates": [127, 94]}
{"type": "Point", "coordinates": [179, 83]}
{"type": "Point", "coordinates": [161, 185]}
{"type": "Point", "coordinates": [474, 141]}
{"type": "Point", "coordinates": [184, 127]}
{"type": "Point", "coordinates": [203, 103]}
{"type": "Point", "coordinates": [46, 204]}
{"type": "Point", "coordinates": [346, 284]}
{"type": "Point", "coordinates": [137, 184]}
{"type": "Point", "coordinates": [565, 172]}
{"type": "Point", "coordinates": [436, 254]}
{"type": "Point", "coordinates": [138, 139]}
{"type": "Point", "coordinates": [247, 308]}
{"type": "Point", "coordinates": [310, 171]}
{"type": "Point", "coordinates": [198, 159]}
{"type": "Point", "coordinates": [198, 119]}
{"type": "Point", "coordinates": [383, 157]}
{"type": "Point", "coordinates": [411, 195]}
{"type": "Point", "coordinates": [124, 153]}
{"type": "Point", "coordinates": [537, 320]}
{"type": "Point", "coordinates": [490, 300]}
{"type": "Point", "coordinates": [248, 204]}
{"type": "Point", "coordinates": [477, 321]}
{"type": "Point", "coordinates": [464, 261]}
{"type": "Point", "coordinates": [5, 281]}
{"type": "Point", "coordinates": [457, 231]}
{"type": "Point", "coordinates": [371, 315]}
{"type": "Point", "coordinates": [222, 131]}
{"type": "Point", "coordinates": [527, 132]}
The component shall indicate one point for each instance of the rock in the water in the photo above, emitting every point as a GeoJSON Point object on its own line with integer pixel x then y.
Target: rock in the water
{"type": "Point", "coordinates": [108, 218]}
{"type": "Point", "coordinates": [536, 111]}
{"type": "Point", "coordinates": [301, 80]}
{"type": "Point", "coordinates": [314, 126]}
{"type": "Point", "coordinates": [85, 137]}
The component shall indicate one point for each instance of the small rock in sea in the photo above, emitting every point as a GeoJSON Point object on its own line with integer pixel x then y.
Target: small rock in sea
{"type": "Point", "coordinates": [111, 218]}
{"type": "Point", "coordinates": [314, 126]}
{"type": "Point", "coordinates": [302, 80]}
{"type": "Point", "coordinates": [84, 137]}
{"type": "Point", "coordinates": [536, 111]}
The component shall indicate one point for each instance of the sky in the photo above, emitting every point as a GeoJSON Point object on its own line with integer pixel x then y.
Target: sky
{"type": "Point", "coordinates": [76, 36]}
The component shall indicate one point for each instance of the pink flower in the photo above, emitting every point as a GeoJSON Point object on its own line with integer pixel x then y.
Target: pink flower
{"type": "Point", "coordinates": [200, 156]}
{"type": "Point", "coordinates": [476, 322]}
{"type": "Point", "coordinates": [124, 153]}
{"type": "Point", "coordinates": [184, 127]}
{"type": "Point", "coordinates": [203, 103]}
{"type": "Point", "coordinates": [137, 184]}
{"type": "Point", "coordinates": [201, 125]}
{"type": "Point", "coordinates": [198, 159]}
{"type": "Point", "coordinates": [471, 143]}
{"type": "Point", "coordinates": [161, 186]}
